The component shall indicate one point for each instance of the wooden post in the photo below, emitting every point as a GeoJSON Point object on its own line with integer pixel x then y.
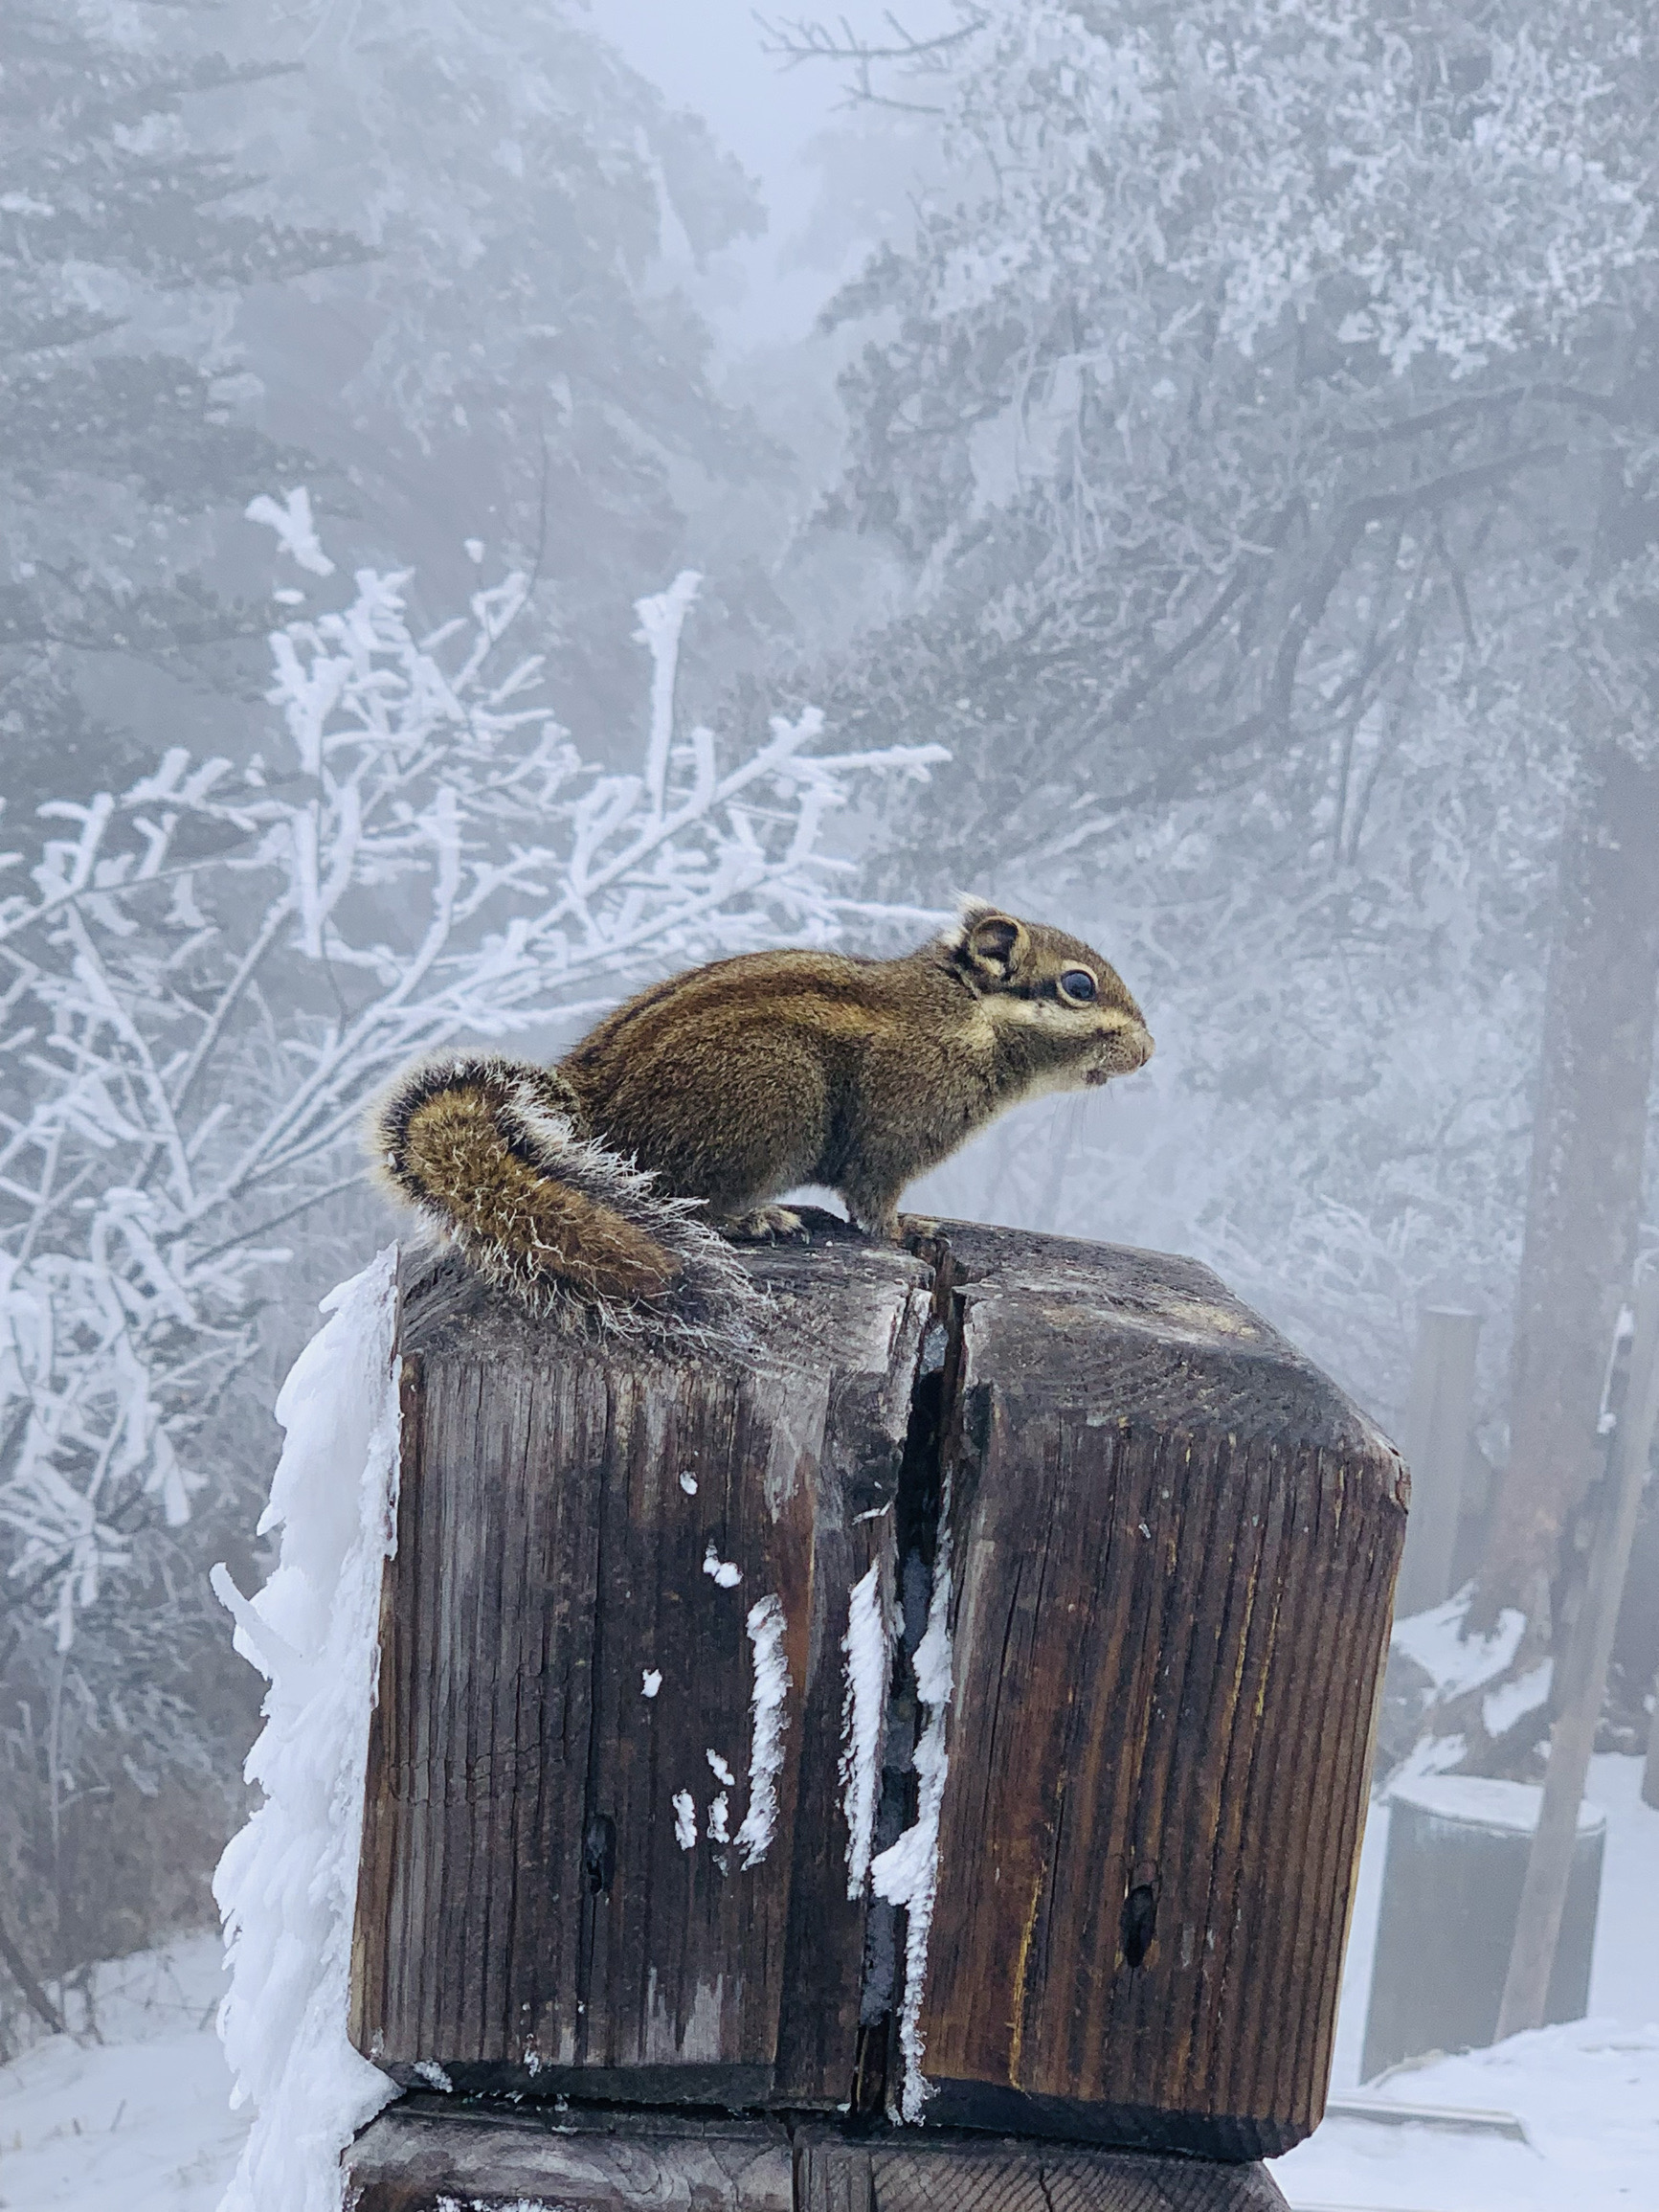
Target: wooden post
{"type": "Point", "coordinates": [1438, 1416]}
{"type": "Point", "coordinates": [1583, 1672]}
{"type": "Point", "coordinates": [1049, 1558]}
{"type": "Point", "coordinates": [424, 2155]}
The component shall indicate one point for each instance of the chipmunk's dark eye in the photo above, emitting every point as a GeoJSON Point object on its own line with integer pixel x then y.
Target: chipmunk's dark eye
{"type": "Point", "coordinates": [1079, 987]}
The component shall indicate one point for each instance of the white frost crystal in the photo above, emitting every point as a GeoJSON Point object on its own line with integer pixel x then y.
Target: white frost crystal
{"type": "Point", "coordinates": [724, 1571]}
{"type": "Point", "coordinates": [685, 1819]}
{"type": "Point", "coordinates": [287, 1883]}
{"type": "Point", "coordinates": [863, 1706]}
{"type": "Point", "coordinates": [906, 1872]}
{"type": "Point", "coordinates": [767, 1721]}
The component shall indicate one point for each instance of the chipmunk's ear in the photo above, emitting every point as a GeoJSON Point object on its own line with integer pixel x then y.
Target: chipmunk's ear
{"type": "Point", "coordinates": [989, 942]}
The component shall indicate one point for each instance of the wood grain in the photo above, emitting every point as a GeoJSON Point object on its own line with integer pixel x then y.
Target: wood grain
{"type": "Point", "coordinates": [1174, 1548]}
{"type": "Point", "coordinates": [1172, 1544]}
{"type": "Point", "coordinates": [967, 2173]}
{"type": "Point", "coordinates": [419, 2157]}
{"type": "Point", "coordinates": [528, 1917]}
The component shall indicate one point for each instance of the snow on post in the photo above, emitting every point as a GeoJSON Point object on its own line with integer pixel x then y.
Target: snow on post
{"type": "Point", "coordinates": [865, 1649]}
{"type": "Point", "coordinates": [287, 1884]}
{"type": "Point", "coordinates": [765, 1623]}
{"type": "Point", "coordinates": [906, 1872]}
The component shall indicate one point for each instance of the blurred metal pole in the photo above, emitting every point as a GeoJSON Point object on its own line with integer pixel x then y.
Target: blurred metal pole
{"type": "Point", "coordinates": [1438, 1417]}
{"type": "Point", "coordinates": [1651, 1766]}
{"type": "Point", "coordinates": [1582, 1676]}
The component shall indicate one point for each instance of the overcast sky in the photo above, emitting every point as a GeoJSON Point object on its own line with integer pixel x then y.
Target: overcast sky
{"type": "Point", "coordinates": [710, 55]}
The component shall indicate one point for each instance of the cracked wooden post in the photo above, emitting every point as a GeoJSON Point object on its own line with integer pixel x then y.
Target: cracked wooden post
{"type": "Point", "coordinates": [1040, 1574]}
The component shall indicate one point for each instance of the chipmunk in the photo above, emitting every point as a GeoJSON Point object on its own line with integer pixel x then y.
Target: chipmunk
{"type": "Point", "coordinates": [594, 1191]}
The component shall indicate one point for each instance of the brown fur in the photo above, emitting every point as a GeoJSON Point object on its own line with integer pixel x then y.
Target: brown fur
{"type": "Point", "coordinates": [737, 1081]}
{"type": "Point", "coordinates": [503, 1204]}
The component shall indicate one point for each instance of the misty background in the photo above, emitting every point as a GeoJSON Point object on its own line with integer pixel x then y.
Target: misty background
{"type": "Point", "coordinates": [1187, 473]}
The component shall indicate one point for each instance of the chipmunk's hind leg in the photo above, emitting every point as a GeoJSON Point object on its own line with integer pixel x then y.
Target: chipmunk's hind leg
{"type": "Point", "coordinates": [765, 1225]}
{"type": "Point", "coordinates": [874, 1207]}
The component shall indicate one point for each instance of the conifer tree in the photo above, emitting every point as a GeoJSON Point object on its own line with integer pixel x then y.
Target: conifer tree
{"type": "Point", "coordinates": [123, 431]}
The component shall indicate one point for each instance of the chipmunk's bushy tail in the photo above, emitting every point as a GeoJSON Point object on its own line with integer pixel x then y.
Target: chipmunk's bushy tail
{"type": "Point", "coordinates": [494, 1156]}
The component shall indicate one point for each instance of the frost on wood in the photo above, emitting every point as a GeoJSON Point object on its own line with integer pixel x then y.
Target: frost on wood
{"type": "Point", "coordinates": [768, 1722]}
{"type": "Point", "coordinates": [865, 1649]}
{"type": "Point", "coordinates": [420, 824]}
{"type": "Point", "coordinates": [724, 1572]}
{"type": "Point", "coordinates": [287, 1884]}
{"type": "Point", "coordinates": [906, 1872]}
{"type": "Point", "coordinates": [685, 1819]}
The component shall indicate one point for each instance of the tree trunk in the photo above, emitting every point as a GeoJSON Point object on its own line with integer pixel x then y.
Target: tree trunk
{"type": "Point", "coordinates": [1588, 1139]}
{"type": "Point", "coordinates": [1580, 1679]}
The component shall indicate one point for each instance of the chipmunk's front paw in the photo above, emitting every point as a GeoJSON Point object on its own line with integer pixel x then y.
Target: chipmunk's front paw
{"type": "Point", "coordinates": [917, 1224]}
{"type": "Point", "coordinates": [765, 1224]}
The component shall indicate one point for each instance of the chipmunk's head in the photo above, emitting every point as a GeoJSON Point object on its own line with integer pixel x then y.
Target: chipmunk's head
{"type": "Point", "coordinates": [1059, 1011]}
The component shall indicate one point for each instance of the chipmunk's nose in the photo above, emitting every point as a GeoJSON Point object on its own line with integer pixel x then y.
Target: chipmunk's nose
{"type": "Point", "coordinates": [1138, 1045]}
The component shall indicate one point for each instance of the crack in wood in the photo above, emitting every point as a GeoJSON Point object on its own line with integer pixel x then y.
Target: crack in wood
{"type": "Point", "coordinates": [1172, 1545]}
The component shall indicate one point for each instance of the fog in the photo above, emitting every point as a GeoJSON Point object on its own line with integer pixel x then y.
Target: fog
{"type": "Point", "coordinates": [1192, 474]}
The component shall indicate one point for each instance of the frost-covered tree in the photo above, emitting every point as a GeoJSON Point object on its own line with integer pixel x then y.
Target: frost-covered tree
{"type": "Point", "coordinates": [208, 973]}
{"type": "Point", "coordinates": [1267, 408]}
{"type": "Point", "coordinates": [124, 236]}
{"type": "Point", "coordinates": [518, 361]}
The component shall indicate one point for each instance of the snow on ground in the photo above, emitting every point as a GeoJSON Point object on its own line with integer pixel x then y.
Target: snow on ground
{"type": "Point", "coordinates": [140, 2122]}
{"type": "Point", "coordinates": [1587, 2093]}
{"type": "Point", "coordinates": [1435, 1640]}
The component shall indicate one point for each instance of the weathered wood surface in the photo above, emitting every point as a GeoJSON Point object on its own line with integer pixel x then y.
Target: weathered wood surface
{"type": "Point", "coordinates": [527, 1915]}
{"type": "Point", "coordinates": [1174, 1545]}
{"type": "Point", "coordinates": [419, 2158]}
{"type": "Point", "coordinates": [415, 2158]}
{"type": "Point", "coordinates": [956, 2173]}
{"type": "Point", "coordinates": [1170, 1546]}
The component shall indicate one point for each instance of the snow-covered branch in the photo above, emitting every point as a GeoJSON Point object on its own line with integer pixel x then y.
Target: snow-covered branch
{"type": "Point", "coordinates": [208, 974]}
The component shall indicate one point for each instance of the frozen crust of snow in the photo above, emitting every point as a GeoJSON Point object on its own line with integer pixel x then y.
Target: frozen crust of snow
{"type": "Point", "coordinates": [139, 2120]}
{"type": "Point", "coordinates": [1501, 1708]}
{"type": "Point", "coordinates": [906, 1872]}
{"type": "Point", "coordinates": [287, 1883]}
{"type": "Point", "coordinates": [1435, 1640]}
{"type": "Point", "coordinates": [1587, 2094]}
{"type": "Point", "coordinates": [765, 1624]}
{"type": "Point", "coordinates": [864, 1647]}
{"type": "Point", "coordinates": [1477, 1800]}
